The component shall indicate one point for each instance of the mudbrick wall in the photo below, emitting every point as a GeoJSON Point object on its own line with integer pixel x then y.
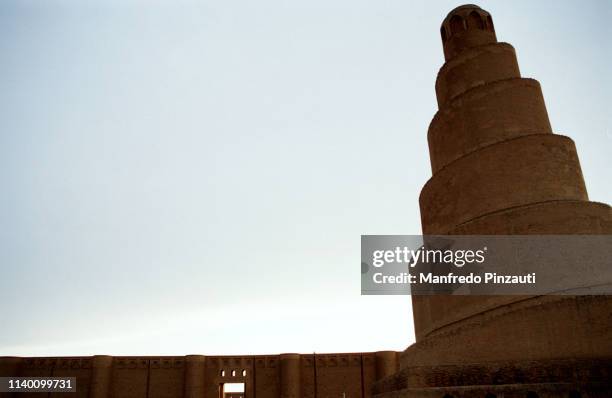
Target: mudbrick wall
{"type": "Point", "coordinates": [264, 376]}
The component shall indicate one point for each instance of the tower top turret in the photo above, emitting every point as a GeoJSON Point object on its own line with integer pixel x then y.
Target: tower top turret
{"type": "Point", "coordinates": [464, 27]}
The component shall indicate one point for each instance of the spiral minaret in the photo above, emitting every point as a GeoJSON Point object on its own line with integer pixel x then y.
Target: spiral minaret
{"type": "Point", "coordinates": [498, 169]}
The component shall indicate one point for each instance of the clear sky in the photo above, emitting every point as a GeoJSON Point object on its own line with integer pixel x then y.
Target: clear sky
{"type": "Point", "coordinates": [193, 177]}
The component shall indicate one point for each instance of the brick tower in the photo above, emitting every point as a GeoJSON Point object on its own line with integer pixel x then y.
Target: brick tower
{"type": "Point", "coordinates": [498, 169]}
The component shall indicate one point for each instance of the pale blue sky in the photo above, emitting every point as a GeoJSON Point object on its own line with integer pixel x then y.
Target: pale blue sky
{"type": "Point", "coordinates": [193, 177]}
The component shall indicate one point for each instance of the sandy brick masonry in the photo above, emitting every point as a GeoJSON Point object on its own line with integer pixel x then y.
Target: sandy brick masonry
{"type": "Point", "coordinates": [265, 376]}
{"type": "Point", "coordinates": [498, 169]}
